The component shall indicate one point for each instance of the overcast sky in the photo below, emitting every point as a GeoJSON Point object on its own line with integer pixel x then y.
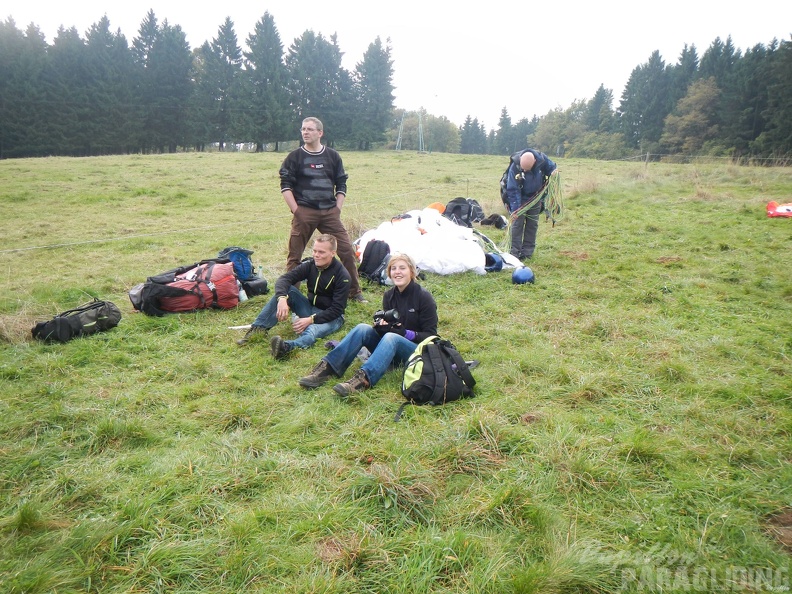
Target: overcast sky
{"type": "Point", "coordinates": [463, 58]}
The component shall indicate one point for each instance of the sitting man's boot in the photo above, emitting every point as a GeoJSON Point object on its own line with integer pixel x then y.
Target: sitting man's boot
{"type": "Point", "coordinates": [318, 376]}
{"type": "Point", "coordinates": [254, 333]}
{"type": "Point", "coordinates": [357, 383]}
{"type": "Point", "coordinates": [280, 348]}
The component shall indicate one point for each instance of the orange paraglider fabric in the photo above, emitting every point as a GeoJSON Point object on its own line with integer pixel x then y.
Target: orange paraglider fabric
{"type": "Point", "coordinates": [774, 209]}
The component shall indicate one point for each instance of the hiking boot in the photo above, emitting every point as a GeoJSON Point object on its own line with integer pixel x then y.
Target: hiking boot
{"type": "Point", "coordinates": [253, 333]}
{"type": "Point", "coordinates": [359, 298]}
{"type": "Point", "coordinates": [280, 348]}
{"type": "Point", "coordinates": [357, 383]}
{"type": "Point", "coordinates": [318, 376]}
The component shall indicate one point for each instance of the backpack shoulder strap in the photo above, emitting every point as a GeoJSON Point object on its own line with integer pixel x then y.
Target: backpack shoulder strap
{"type": "Point", "coordinates": [95, 304]}
{"type": "Point", "coordinates": [205, 277]}
{"type": "Point", "coordinates": [435, 362]}
{"type": "Point", "coordinates": [461, 364]}
{"type": "Point", "coordinates": [400, 411]}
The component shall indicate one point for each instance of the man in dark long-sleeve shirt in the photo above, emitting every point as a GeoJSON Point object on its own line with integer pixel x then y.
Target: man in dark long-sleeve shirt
{"type": "Point", "coordinates": [313, 185]}
{"type": "Point", "coordinates": [319, 313]}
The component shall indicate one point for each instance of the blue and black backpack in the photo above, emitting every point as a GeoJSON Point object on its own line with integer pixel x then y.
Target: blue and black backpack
{"type": "Point", "coordinates": [243, 264]}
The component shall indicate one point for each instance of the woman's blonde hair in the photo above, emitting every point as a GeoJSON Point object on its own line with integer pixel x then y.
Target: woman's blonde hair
{"type": "Point", "coordinates": [398, 256]}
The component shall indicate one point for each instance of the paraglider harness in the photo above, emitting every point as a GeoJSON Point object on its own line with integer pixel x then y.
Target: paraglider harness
{"type": "Point", "coordinates": [549, 192]}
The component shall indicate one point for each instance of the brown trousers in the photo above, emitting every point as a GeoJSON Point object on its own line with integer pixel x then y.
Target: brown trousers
{"type": "Point", "coordinates": [307, 220]}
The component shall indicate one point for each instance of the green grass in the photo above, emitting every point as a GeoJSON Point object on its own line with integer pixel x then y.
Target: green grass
{"type": "Point", "coordinates": [631, 427]}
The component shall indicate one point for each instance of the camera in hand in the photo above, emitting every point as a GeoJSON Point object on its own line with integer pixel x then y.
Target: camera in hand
{"type": "Point", "coordinates": [391, 316]}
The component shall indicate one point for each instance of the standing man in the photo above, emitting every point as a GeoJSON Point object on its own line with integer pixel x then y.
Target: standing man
{"type": "Point", "coordinates": [529, 173]}
{"type": "Point", "coordinates": [313, 184]}
{"type": "Point", "coordinates": [317, 315]}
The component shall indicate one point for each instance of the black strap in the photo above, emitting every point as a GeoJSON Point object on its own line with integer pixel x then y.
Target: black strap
{"type": "Point", "coordinates": [438, 367]}
{"type": "Point", "coordinates": [205, 276]}
{"type": "Point", "coordinates": [95, 304]}
{"type": "Point", "coordinates": [400, 411]}
{"type": "Point", "coordinates": [461, 364]}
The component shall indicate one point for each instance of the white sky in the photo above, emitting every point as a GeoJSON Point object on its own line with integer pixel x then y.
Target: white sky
{"type": "Point", "coordinates": [463, 58]}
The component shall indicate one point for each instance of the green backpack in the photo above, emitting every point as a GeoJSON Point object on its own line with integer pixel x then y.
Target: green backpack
{"type": "Point", "coordinates": [435, 374]}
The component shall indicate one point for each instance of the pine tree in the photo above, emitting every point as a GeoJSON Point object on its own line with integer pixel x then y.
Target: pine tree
{"type": "Point", "coordinates": [316, 82]}
{"type": "Point", "coordinates": [266, 113]}
{"type": "Point", "coordinates": [744, 104]}
{"type": "Point", "coordinates": [22, 98]}
{"type": "Point", "coordinates": [33, 118]}
{"type": "Point", "coordinates": [108, 78]}
{"type": "Point", "coordinates": [143, 112]}
{"type": "Point", "coordinates": [67, 93]}
{"type": "Point", "coordinates": [170, 75]}
{"type": "Point", "coordinates": [598, 116]}
{"type": "Point", "coordinates": [522, 130]}
{"type": "Point", "coordinates": [504, 141]}
{"type": "Point", "coordinates": [373, 87]}
{"type": "Point", "coordinates": [645, 104]}
{"type": "Point", "coordinates": [473, 137]}
{"type": "Point", "coordinates": [776, 139]}
{"type": "Point", "coordinates": [683, 73]}
{"type": "Point", "coordinates": [719, 60]}
{"type": "Point", "coordinates": [218, 84]}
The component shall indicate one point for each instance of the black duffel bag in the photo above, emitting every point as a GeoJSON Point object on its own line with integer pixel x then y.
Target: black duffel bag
{"type": "Point", "coordinates": [93, 317]}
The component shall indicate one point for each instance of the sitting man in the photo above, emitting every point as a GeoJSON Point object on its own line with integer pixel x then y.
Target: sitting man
{"type": "Point", "coordinates": [317, 315]}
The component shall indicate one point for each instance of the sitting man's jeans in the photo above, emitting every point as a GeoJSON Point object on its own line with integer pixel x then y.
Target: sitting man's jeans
{"type": "Point", "coordinates": [302, 308]}
{"type": "Point", "coordinates": [386, 351]}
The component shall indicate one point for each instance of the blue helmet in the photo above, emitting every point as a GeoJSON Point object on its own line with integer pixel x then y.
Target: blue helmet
{"type": "Point", "coordinates": [493, 262]}
{"type": "Point", "coordinates": [522, 275]}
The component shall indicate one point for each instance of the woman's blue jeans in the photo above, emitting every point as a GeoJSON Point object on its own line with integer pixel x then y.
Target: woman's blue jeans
{"type": "Point", "coordinates": [302, 308]}
{"type": "Point", "coordinates": [386, 351]}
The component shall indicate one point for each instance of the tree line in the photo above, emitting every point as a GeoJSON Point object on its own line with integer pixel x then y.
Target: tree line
{"type": "Point", "coordinates": [727, 103]}
{"type": "Point", "coordinates": [101, 95]}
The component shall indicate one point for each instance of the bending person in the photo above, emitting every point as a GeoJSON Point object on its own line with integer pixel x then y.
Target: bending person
{"type": "Point", "coordinates": [527, 180]}
{"type": "Point", "coordinates": [319, 313]}
{"type": "Point", "coordinates": [390, 343]}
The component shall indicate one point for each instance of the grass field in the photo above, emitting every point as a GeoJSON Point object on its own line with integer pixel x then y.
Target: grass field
{"type": "Point", "coordinates": [631, 431]}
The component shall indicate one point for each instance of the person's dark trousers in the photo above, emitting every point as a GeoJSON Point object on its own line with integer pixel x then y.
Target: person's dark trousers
{"type": "Point", "coordinates": [307, 220]}
{"type": "Point", "coordinates": [523, 232]}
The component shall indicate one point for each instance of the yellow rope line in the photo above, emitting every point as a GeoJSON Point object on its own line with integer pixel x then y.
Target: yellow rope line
{"type": "Point", "coordinates": [553, 205]}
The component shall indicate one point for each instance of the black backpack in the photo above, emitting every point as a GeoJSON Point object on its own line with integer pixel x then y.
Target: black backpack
{"type": "Point", "coordinates": [93, 317]}
{"type": "Point", "coordinates": [503, 181]}
{"type": "Point", "coordinates": [374, 263]}
{"type": "Point", "coordinates": [464, 211]}
{"type": "Point", "coordinates": [435, 374]}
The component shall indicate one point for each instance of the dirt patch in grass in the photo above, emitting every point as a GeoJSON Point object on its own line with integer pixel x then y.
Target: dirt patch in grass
{"type": "Point", "coordinates": [530, 417]}
{"type": "Point", "coordinates": [331, 550]}
{"type": "Point", "coordinates": [669, 259]}
{"type": "Point", "coordinates": [779, 526]}
{"type": "Point", "coordinates": [575, 255]}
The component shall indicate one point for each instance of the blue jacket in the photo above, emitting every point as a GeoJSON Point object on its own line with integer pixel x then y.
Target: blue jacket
{"type": "Point", "coordinates": [522, 186]}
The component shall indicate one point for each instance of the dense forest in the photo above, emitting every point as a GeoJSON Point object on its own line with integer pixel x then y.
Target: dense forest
{"type": "Point", "coordinates": [102, 95]}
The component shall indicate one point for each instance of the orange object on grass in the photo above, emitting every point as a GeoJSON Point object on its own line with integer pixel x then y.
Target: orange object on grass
{"type": "Point", "coordinates": [438, 207]}
{"type": "Point", "coordinates": [774, 209]}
